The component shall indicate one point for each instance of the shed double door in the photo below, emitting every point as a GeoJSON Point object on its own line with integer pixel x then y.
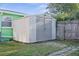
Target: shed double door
{"type": "Point", "coordinates": [43, 30]}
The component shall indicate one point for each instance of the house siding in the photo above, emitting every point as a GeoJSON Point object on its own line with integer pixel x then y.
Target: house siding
{"type": "Point", "coordinates": [6, 29]}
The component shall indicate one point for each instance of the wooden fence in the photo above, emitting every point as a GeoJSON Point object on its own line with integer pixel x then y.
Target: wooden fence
{"type": "Point", "coordinates": [68, 29]}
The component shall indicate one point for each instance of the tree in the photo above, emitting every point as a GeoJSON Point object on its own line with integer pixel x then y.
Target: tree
{"type": "Point", "coordinates": [67, 10]}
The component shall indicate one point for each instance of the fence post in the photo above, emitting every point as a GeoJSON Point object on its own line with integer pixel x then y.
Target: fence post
{"type": "Point", "coordinates": [64, 30]}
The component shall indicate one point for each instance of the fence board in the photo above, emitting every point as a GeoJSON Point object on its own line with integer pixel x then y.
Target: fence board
{"type": "Point", "coordinates": [68, 29]}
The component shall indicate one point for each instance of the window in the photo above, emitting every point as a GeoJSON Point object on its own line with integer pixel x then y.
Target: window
{"type": "Point", "coordinates": [6, 22]}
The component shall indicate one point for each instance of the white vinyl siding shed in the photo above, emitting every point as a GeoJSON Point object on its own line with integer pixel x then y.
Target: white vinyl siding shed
{"type": "Point", "coordinates": [34, 29]}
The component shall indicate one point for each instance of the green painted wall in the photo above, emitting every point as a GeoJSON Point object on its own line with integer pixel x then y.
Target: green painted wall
{"type": "Point", "coordinates": [7, 32]}
{"type": "Point", "coordinates": [14, 16]}
{"type": "Point", "coordinates": [0, 21]}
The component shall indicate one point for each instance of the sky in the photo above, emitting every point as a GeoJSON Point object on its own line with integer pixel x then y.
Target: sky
{"type": "Point", "coordinates": [27, 8]}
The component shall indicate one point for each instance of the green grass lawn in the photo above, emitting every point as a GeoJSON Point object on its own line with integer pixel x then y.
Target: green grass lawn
{"type": "Point", "coordinates": [13, 48]}
{"type": "Point", "coordinates": [75, 53]}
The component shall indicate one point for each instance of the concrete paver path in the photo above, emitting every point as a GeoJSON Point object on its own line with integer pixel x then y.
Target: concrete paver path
{"type": "Point", "coordinates": [64, 51]}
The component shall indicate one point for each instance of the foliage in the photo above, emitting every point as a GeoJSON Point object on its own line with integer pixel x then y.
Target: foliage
{"type": "Point", "coordinates": [77, 15]}
{"type": "Point", "coordinates": [62, 16]}
{"type": "Point", "coordinates": [64, 10]}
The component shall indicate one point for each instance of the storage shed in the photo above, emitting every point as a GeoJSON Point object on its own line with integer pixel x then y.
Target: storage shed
{"type": "Point", "coordinates": [34, 29]}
